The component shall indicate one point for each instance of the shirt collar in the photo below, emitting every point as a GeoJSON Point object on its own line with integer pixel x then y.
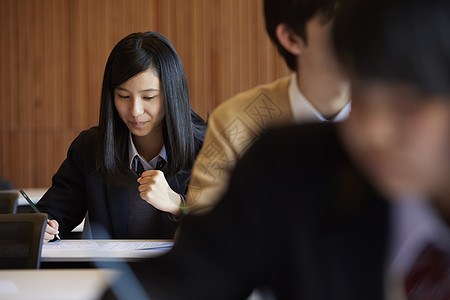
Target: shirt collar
{"type": "Point", "coordinates": [415, 224]}
{"type": "Point", "coordinates": [148, 165]}
{"type": "Point", "coordinates": [304, 111]}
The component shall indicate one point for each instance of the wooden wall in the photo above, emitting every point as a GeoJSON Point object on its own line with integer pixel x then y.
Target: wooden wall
{"type": "Point", "coordinates": [53, 52]}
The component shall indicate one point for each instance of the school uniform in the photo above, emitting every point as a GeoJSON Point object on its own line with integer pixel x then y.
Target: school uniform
{"type": "Point", "coordinates": [236, 124]}
{"type": "Point", "coordinates": [77, 188]}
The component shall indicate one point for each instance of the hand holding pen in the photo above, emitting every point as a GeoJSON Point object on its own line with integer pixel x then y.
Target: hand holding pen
{"type": "Point", "coordinates": [51, 231]}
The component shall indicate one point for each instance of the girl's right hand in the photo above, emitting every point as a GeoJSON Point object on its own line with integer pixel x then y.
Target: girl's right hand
{"type": "Point", "coordinates": [51, 230]}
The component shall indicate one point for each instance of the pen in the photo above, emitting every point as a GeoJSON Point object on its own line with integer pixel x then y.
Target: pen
{"type": "Point", "coordinates": [33, 206]}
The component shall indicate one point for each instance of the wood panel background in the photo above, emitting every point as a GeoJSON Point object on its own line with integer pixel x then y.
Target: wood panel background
{"type": "Point", "coordinates": [53, 53]}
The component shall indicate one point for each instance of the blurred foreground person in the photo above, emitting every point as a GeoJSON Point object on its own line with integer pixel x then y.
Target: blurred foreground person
{"type": "Point", "coordinates": [348, 210]}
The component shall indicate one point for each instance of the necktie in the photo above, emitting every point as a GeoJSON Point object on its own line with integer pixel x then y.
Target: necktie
{"type": "Point", "coordinates": [139, 169]}
{"type": "Point", "coordinates": [137, 166]}
{"type": "Point", "coordinates": [429, 277]}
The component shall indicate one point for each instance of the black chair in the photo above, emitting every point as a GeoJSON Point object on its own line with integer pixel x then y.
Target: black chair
{"type": "Point", "coordinates": [6, 185]}
{"type": "Point", "coordinates": [8, 202]}
{"type": "Point", "coordinates": [21, 240]}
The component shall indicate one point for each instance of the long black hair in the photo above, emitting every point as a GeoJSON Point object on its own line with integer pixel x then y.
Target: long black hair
{"type": "Point", "coordinates": [182, 129]}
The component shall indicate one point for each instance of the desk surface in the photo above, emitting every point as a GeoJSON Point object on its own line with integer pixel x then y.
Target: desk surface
{"type": "Point", "coordinates": [55, 284]}
{"type": "Point", "coordinates": [35, 195]}
{"type": "Point", "coordinates": [103, 250]}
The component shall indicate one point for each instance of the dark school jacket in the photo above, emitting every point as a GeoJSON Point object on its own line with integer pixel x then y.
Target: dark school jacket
{"type": "Point", "coordinates": [77, 188]}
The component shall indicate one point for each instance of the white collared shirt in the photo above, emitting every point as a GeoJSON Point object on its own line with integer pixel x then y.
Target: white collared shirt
{"type": "Point", "coordinates": [415, 224]}
{"type": "Point", "coordinates": [148, 165]}
{"type": "Point", "coordinates": [304, 111]}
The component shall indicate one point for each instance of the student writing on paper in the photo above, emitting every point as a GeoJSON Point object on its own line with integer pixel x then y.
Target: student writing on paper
{"type": "Point", "coordinates": [130, 173]}
{"type": "Point", "coordinates": [351, 210]}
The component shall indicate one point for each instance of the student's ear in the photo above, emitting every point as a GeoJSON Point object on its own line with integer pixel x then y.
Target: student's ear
{"type": "Point", "coordinates": [289, 39]}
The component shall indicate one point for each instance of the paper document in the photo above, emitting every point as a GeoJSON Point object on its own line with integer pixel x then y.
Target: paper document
{"type": "Point", "coordinates": [71, 245]}
{"type": "Point", "coordinates": [112, 246]}
{"type": "Point", "coordinates": [105, 245]}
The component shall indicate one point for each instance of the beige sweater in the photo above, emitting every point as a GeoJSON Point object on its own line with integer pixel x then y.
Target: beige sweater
{"type": "Point", "coordinates": [232, 128]}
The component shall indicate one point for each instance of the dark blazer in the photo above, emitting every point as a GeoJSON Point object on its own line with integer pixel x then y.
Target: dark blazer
{"type": "Point", "coordinates": [77, 188]}
{"type": "Point", "coordinates": [298, 219]}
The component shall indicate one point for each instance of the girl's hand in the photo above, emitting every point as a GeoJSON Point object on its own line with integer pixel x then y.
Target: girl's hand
{"type": "Point", "coordinates": [51, 230]}
{"type": "Point", "coordinates": [156, 191]}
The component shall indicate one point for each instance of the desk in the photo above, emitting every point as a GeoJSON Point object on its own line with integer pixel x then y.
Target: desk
{"type": "Point", "coordinates": [55, 284]}
{"type": "Point", "coordinates": [35, 195]}
{"type": "Point", "coordinates": [103, 250]}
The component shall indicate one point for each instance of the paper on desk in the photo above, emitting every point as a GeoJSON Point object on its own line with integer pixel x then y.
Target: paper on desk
{"type": "Point", "coordinates": [108, 246]}
{"type": "Point", "coordinates": [71, 245]}
{"type": "Point", "coordinates": [112, 246]}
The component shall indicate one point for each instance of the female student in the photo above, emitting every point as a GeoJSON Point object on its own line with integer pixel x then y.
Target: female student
{"type": "Point", "coordinates": [130, 174]}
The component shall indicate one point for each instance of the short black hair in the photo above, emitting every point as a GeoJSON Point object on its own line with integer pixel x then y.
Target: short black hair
{"type": "Point", "coordinates": [405, 41]}
{"type": "Point", "coordinates": [182, 127]}
{"type": "Point", "coordinates": [295, 14]}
